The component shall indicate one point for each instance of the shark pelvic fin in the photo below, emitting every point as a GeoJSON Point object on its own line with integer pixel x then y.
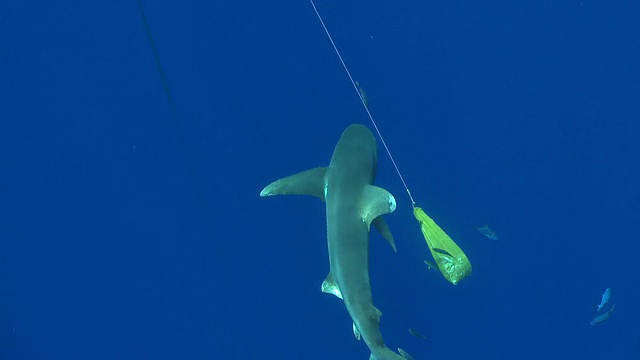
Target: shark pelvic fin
{"type": "Point", "coordinates": [309, 182]}
{"type": "Point", "coordinates": [383, 229]}
{"type": "Point", "coordinates": [375, 313]}
{"type": "Point", "coordinates": [356, 332]}
{"type": "Point", "coordinates": [329, 286]}
{"type": "Point", "coordinates": [404, 354]}
{"type": "Point", "coordinates": [376, 201]}
{"type": "Point", "coordinates": [387, 353]}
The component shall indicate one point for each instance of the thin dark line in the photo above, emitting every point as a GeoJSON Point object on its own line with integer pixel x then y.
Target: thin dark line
{"type": "Point", "coordinates": [188, 161]}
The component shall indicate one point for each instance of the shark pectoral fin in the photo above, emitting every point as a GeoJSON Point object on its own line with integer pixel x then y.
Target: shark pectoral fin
{"type": "Point", "coordinates": [309, 182]}
{"type": "Point", "coordinates": [330, 287]}
{"type": "Point", "coordinates": [383, 229]}
{"type": "Point", "coordinates": [404, 354]}
{"type": "Point", "coordinates": [375, 201]}
{"type": "Point", "coordinates": [356, 332]}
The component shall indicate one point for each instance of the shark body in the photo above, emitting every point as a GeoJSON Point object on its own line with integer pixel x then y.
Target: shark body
{"type": "Point", "coordinates": [353, 203]}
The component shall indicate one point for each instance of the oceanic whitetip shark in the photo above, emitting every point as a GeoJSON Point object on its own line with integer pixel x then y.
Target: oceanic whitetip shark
{"type": "Point", "coordinates": [353, 203]}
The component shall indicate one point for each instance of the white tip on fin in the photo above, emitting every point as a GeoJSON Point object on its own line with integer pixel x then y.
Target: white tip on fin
{"type": "Point", "coordinates": [356, 332]}
{"type": "Point", "coordinates": [330, 287]}
{"type": "Point", "coordinates": [404, 354]}
{"type": "Point", "coordinates": [376, 201]}
{"type": "Point", "coordinates": [309, 182]}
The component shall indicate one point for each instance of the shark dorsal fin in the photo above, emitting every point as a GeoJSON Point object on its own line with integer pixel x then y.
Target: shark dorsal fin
{"type": "Point", "coordinates": [384, 230]}
{"type": "Point", "coordinates": [329, 286]}
{"type": "Point", "coordinates": [309, 182]}
{"type": "Point", "coordinates": [375, 201]}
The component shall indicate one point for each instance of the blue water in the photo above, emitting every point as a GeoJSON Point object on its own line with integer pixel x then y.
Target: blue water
{"type": "Point", "coordinates": [127, 233]}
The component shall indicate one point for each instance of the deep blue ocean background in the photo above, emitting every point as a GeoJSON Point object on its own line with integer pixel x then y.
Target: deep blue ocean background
{"type": "Point", "coordinates": [128, 233]}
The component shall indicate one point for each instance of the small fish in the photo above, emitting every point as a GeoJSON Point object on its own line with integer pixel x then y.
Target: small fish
{"type": "Point", "coordinates": [417, 334]}
{"type": "Point", "coordinates": [431, 265]}
{"type": "Point", "coordinates": [600, 318]}
{"type": "Point", "coordinates": [605, 298]}
{"type": "Point", "coordinates": [363, 95]}
{"type": "Point", "coordinates": [486, 231]}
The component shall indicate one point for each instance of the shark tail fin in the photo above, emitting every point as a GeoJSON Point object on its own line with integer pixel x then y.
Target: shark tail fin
{"type": "Point", "coordinates": [309, 182]}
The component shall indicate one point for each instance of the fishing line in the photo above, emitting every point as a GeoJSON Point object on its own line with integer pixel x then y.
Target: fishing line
{"type": "Point", "coordinates": [451, 260]}
{"type": "Point", "coordinates": [200, 194]}
{"type": "Point", "coordinates": [363, 101]}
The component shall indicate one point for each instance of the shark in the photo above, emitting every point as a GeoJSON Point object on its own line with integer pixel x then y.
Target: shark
{"type": "Point", "coordinates": [353, 204]}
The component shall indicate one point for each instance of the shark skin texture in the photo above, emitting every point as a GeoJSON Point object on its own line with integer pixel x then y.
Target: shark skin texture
{"type": "Point", "coordinates": [353, 203]}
